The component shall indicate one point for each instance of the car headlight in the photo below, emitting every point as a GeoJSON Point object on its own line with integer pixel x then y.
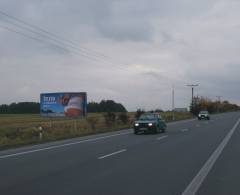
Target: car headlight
{"type": "Point", "coordinates": [199, 115]}
{"type": "Point", "coordinates": [150, 124]}
{"type": "Point", "coordinates": [136, 124]}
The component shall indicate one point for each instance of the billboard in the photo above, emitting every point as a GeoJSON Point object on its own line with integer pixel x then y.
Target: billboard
{"type": "Point", "coordinates": [63, 104]}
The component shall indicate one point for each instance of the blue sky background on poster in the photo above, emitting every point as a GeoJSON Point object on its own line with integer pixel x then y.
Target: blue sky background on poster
{"type": "Point", "coordinates": [63, 104]}
{"type": "Point", "coordinates": [52, 105]}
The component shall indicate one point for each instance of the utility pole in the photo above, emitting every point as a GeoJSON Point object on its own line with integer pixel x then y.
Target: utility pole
{"type": "Point", "coordinates": [219, 102]}
{"type": "Point", "coordinates": [219, 98]}
{"type": "Point", "coordinates": [173, 104]}
{"type": "Point", "coordinates": [192, 86]}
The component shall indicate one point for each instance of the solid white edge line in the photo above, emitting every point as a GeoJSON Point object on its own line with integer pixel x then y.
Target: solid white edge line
{"type": "Point", "coordinates": [62, 145]}
{"type": "Point", "coordinates": [111, 154]}
{"type": "Point", "coordinates": [162, 137]}
{"type": "Point", "coordinates": [195, 184]}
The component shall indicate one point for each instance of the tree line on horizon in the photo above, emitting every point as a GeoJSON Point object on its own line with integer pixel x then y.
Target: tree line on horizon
{"type": "Point", "coordinates": [203, 103]}
{"type": "Point", "coordinates": [199, 103]}
{"type": "Point", "coordinates": [34, 107]}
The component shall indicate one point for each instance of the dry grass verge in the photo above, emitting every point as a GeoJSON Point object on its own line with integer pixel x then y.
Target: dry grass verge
{"type": "Point", "coordinates": [23, 129]}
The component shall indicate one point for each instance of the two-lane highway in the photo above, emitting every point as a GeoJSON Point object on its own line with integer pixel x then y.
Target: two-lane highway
{"type": "Point", "coordinates": [193, 156]}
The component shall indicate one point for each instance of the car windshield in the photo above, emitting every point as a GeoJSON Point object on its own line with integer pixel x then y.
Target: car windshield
{"type": "Point", "coordinates": [204, 112]}
{"type": "Point", "coordinates": [147, 117]}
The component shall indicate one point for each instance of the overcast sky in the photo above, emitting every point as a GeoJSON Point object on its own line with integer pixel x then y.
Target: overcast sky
{"type": "Point", "coordinates": [131, 51]}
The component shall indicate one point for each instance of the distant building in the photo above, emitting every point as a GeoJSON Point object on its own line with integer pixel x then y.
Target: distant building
{"type": "Point", "coordinates": [181, 110]}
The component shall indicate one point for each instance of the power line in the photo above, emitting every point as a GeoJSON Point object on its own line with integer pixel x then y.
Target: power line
{"type": "Point", "coordinates": [35, 38]}
{"type": "Point", "coordinates": [60, 42]}
{"type": "Point", "coordinates": [20, 33]}
{"type": "Point", "coordinates": [47, 32]}
{"type": "Point", "coordinates": [57, 39]}
{"type": "Point", "coordinates": [59, 46]}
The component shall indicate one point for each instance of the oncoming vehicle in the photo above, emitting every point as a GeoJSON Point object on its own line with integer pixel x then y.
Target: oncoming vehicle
{"type": "Point", "coordinates": [203, 115]}
{"type": "Point", "coordinates": [149, 123]}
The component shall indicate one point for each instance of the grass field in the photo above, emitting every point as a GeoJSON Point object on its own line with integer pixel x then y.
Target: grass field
{"type": "Point", "coordinates": [23, 129]}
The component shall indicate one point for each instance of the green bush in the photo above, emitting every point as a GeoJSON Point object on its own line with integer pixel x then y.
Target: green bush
{"type": "Point", "coordinates": [123, 117]}
{"type": "Point", "coordinates": [13, 133]}
{"type": "Point", "coordinates": [110, 118]}
{"type": "Point", "coordinates": [92, 121]}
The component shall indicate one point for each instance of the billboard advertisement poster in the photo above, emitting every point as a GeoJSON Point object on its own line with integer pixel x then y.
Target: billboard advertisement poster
{"type": "Point", "coordinates": [71, 105]}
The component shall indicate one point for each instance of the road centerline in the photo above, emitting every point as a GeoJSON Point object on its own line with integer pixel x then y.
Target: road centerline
{"type": "Point", "coordinates": [197, 181]}
{"type": "Point", "coordinates": [111, 154]}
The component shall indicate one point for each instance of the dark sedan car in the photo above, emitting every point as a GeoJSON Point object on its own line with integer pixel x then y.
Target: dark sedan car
{"type": "Point", "coordinates": [149, 123]}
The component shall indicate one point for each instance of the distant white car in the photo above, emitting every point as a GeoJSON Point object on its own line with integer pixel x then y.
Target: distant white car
{"type": "Point", "coordinates": [203, 115]}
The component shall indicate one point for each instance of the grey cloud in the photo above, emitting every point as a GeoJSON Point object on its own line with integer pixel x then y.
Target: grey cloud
{"type": "Point", "coordinates": [118, 20]}
{"type": "Point", "coordinates": [123, 23]}
{"type": "Point", "coordinates": [159, 77]}
{"type": "Point", "coordinates": [134, 31]}
{"type": "Point", "coordinates": [165, 43]}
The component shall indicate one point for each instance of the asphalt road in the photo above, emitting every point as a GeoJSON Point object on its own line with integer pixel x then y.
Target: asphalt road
{"type": "Point", "coordinates": [192, 157]}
